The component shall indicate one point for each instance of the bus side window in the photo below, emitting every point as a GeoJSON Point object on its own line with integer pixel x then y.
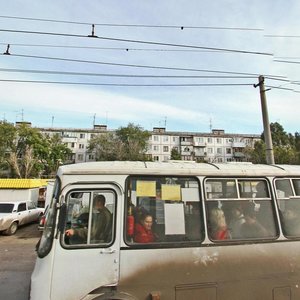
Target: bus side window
{"type": "Point", "coordinates": [250, 215]}
{"type": "Point", "coordinates": [289, 205]}
{"type": "Point", "coordinates": [90, 218]}
{"type": "Point", "coordinates": [290, 216]}
{"type": "Point", "coordinates": [173, 204]}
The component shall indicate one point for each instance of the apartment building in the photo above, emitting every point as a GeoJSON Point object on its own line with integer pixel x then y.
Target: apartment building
{"type": "Point", "coordinates": [77, 140]}
{"type": "Point", "coordinates": [215, 146]}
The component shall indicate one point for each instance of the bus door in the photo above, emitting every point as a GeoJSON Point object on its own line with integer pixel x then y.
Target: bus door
{"type": "Point", "coordinates": [87, 253]}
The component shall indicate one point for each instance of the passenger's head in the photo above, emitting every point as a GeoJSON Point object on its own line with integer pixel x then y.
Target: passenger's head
{"type": "Point", "coordinates": [217, 218]}
{"type": "Point", "coordinates": [261, 190]}
{"type": "Point", "coordinates": [249, 212]}
{"type": "Point", "coordinates": [236, 210]}
{"type": "Point", "coordinates": [147, 221]}
{"type": "Point", "coordinates": [99, 201]}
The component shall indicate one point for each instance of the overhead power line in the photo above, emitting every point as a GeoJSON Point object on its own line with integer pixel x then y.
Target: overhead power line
{"type": "Point", "coordinates": [122, 75]}
{"type": "Point", "coordinates": [286, 61]}
{"type": "Point", "coordinates": [136, 41]}
{"type": "Point", "coordinates": [281, 36]}
{"type": "Point", "coordinates": [126, 84]}
{"type": "Point", "coordinates": [134, 25]}
{"type": "Point", "coordinates": [110, 48]}
{"type": "Point", "coordinates": [135, 65]}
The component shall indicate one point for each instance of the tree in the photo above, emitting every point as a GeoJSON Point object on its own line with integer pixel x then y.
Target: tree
{"type": "Point", "coordinates": [175, 155]}
{"type": "Point", "coordinates": [106, 147]}
{"type": "Point", "coordinates": [26, 153]}
{"type": "Point", "coordinates": [257, 155]}
{"type": "Point", "coordinates": [128, 143]}
{"type": "Point", "coordinates": [134, 141]}
{"type": "Point", "coordinates": [286, 147]}
{"type": "Point", "coordinates": [57, 154]}
{"type": "Point", "coordinates": [279, 136]}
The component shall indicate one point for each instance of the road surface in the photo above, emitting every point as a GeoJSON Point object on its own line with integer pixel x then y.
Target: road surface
{"type": "Point", "coordinates": [17, 258]}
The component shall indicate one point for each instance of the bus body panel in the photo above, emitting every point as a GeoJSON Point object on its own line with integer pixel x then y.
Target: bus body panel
{"type": "Point", "coordinates": [83, 269]}
{"type": "Point", "coordinates": [265, 269]}
{"type": "Point", "coordinates": [251, 270]}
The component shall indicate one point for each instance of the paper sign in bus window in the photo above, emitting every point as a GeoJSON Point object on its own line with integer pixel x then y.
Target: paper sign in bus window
{"type": "Point", "coordinates": [171, 192]}
{"type": "Point", "coordinates": [190, 194]}
{"type": "Point", "coordinates": [174, 218]}
{"type": "Point", "coordinates": [145, 188]}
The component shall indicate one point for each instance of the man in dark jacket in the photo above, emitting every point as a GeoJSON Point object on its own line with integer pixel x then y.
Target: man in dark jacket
{"type": "Point", "coordinates": [100, 226]}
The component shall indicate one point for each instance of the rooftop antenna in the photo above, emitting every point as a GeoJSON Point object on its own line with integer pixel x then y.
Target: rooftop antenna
{"type": "Point", "coordinates": [210, 124]}
{"type": "Point", "coordinates": [52, 121]}
{"type": "Point", "coordinates": [165, 122]}
{"type": "Point", "coordinates": [94, 120]}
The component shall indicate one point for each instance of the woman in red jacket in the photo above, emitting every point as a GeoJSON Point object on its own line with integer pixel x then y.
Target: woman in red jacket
{"type": "Point", "coordinates": [143, 230]}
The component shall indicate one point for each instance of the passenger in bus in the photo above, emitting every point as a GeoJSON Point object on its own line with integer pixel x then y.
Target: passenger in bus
{"type": "Point", "coordinates": [236, 220]}
{"type": "Point", "coordinates": [101, 223]}
{"type": "Point", "coordinates": [143, 230]}
{"type": "Point", "coordinates": [218, 226]}
{"type": "Point", "coordinates": [291, 219]}
{"type": "Point", "coordinates": [252, 228]}
{"type": "Point", "coordinates": [261, 190]}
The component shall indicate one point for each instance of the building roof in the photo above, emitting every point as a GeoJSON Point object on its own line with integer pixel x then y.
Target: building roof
{"type": "Point", "coordinates": [22, 183]}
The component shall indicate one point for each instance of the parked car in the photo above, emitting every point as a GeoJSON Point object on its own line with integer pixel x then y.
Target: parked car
{"type": "Point", "coordinates": [14, 214]}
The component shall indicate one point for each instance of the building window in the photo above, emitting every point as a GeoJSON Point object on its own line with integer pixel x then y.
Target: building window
{"type": "Point", "coordinates": [81, 146]}
{"type": "Point", "coordinates": [175, 139]}
{"type": "Point", "coordinates": [219, 151]}
{"type": "Point", "coordinates": [166, 148]}
{"type": "Point", "coordinates": [228, 151]}
{"type": "Point", "coordinates": [80, 157]}
{"type": "Point", "coordinates": [155, 138]}
{"type": "Point", "coordinates": [91, 157]}
{"type": "Point", "coordinates": [72, 145]}
{"type": "Point", "coordinates": [165, 138]}
{"type": "Point", "coordinates": [209, 140]}
{"type": "Point", "coordinates": [155, 158]}
{"type": "Point", "coordinates": [82, 135]}
{"type": "Point", "coordinates": [210, 150]}
{"type": "Point", "coordinates": [219, 141]}
{"type": "Point", "coordinates": [155, 148]}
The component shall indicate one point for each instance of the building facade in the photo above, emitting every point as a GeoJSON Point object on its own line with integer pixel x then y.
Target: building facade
{"type": "Point", "coordinates": [215, 146]}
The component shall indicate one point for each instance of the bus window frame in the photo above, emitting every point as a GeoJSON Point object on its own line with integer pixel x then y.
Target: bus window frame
{"type": "Point", "coordinates": [160, 244]}
{"type": "Point", "coordinates": [271, 198]}
{"type": "Point", "coordinates": [66, 246]}
{"type": "Point", "coordinates": [285, 199]}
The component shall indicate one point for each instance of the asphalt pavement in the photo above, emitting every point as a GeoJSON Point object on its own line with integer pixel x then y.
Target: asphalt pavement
{"type": "Point", "coordinates": [17, 259]}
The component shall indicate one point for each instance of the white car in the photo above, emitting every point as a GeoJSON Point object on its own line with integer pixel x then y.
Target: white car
{"type": "Point", "coordinates": [14, 214]}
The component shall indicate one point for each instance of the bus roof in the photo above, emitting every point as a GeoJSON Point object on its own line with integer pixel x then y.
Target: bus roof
{"type": "Point", "coordinates": [178, 168]}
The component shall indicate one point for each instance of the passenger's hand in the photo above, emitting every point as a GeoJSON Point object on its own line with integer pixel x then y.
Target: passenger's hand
{"type": "Point", "coordinates": [69, 232]}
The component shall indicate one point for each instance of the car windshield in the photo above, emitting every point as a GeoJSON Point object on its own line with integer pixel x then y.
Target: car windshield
{"type": "Point", "coordinates": [6, 207]}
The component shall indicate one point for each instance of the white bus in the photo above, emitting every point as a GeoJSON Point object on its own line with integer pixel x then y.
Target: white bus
{"type": "Point", "coordinates": [219, 232]}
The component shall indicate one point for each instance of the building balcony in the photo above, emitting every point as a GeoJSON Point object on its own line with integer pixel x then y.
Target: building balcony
{"type": "Point", "coordinates": [186, 143]}
{"type": "Point", "coordinates": [199, 144]}
{"type": "Point", "coordinates": [238, 144]}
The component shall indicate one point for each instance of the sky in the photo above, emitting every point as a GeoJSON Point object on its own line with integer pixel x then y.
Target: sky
{"type": "Point", "coordinates": [184, 65]}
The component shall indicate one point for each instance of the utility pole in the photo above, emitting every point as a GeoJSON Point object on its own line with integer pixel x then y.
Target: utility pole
{"type": "Point", "coordinates": [265, 116]}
